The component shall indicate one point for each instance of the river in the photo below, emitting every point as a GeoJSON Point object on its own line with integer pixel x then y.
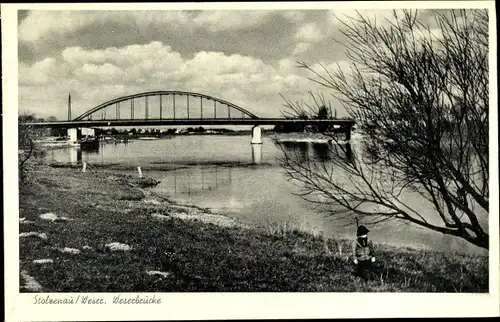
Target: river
{"type": "Point", "coordinates": [217, 172]}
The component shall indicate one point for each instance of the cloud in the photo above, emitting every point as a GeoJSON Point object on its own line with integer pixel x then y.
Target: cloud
{"type": "Point", "coordinates": [293, 15]}
{"type": "Point", "coordinates": [246, 57]}
{"type": "Point", "coordinates": [301, 48]}
{"type": "Point", "coordinates": [99, 73]}
{"type": "Point", "coordinates": [42, 72]}
{"type": "Point", "coordinates": [381, 17]}
{"type": "Point", "coordinates": [152, 56]}
{"type": "Point", "coordinates": [95, 76]}
{"type": "Point", "coordinates": [287, 65]}
{"type": "Point", "coordinates": [265, 34]}
{"type": "Point", "coordinates": [309, 32]}
{"type": "Point", "coordinates": [217, 62]}
{"type": "Point", "coordinates": [230, 20]}
{"type": "Point", "coordinates": [40, 25]}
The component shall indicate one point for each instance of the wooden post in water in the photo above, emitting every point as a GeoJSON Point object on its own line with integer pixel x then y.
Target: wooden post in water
{"type": "Point", "coordinates": [139, 171]}
{"type": "Point", "coordinates": [84, 166]}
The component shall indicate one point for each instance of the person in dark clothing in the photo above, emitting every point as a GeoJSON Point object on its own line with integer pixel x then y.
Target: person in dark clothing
{"type": "Point", "coordinates": [363, 254]}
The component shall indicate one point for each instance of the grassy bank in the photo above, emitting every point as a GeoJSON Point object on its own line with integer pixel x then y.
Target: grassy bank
{"type": "Point", "coordinates": [177, 248]}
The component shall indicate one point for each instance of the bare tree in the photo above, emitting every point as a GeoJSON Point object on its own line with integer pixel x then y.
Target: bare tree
{"type": "Point", "coordinates": [26, 147]}
{"type": "Point", "coordinates": [419, 96]}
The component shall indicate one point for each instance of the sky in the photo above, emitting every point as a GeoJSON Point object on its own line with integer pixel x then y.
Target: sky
{"type": "Point", "coordinates": [245, 57]}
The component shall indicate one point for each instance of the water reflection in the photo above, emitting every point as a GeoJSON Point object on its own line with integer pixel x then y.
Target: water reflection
{"type": "Point", "coordinates": [316, 151]}
{"type": "Point", "coordinates": [261, 195]}
{"type": "Point", "coordinates": [321, 151]}
{"type": "Point", "coordinates": [349, 154]}
{"type": "Point", "coordinates": [198, 180]}
{"type": "Point", "coordinates": [75, 155]}
{"type": "Point", "coordinates": [295, 150]}
{"type": "Point", "coordinates": [91, 149]}
{"type": "Point", "coordinates": [256, 153]}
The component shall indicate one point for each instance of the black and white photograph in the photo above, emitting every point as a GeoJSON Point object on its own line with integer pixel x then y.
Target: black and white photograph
{"type": "Point", "coordinates": [246, 152]}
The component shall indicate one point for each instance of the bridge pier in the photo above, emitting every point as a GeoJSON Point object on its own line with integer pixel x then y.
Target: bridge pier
{"type": "Point", "coordinates": [74, 134]}
{"type": "Point", "coordinates": [256, 135]}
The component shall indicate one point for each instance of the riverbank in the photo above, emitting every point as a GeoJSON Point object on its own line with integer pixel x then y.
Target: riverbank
{"type": "Point", "coordinates": [103, 231]}
{"type": "Point", "coordinates": [295, 135]}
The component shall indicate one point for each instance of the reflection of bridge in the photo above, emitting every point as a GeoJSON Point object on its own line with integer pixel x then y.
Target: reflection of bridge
{"type": "Point", "coordinates": [75, 154]}
{"type": "Point", "coordinates": [176, 108]}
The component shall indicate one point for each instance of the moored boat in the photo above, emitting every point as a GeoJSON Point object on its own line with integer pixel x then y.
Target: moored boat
{"type": "Point", "coordinates": [89, 142]}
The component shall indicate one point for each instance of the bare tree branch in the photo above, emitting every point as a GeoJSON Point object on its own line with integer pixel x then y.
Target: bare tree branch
{"type": "Point", "coordinates": [420, 100]}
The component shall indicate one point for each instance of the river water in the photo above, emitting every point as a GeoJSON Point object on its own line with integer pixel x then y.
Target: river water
{"type": "Point", "coordinates": [218, 172]}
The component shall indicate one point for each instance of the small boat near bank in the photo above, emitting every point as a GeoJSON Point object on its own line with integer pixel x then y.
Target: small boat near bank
{"type": "Point", "coordinates": [121, 140]}
{"type": "Point", "coordinates": [89, 142]}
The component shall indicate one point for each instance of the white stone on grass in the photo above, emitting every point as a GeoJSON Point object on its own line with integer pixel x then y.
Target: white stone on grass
{"type": "Point", "coordinates": [30, 283]}
{"type": "Point", "coordinates": [152, 201]}
{"type": "Point", "coordinates": [49, 216]}
{"type": "Point", "coordinates": [68, 250]}
{"type": "Point", "coordinates": [53, 217]}
{"type": "Point", "coordinates": [43, 261]}
{"type": "Point", "coordinates": [115, 246]}
{"type": "Point", "coordinates": [34, 234]}
{"type": "Point", "coordinates": [162, 274]}
{"type": "Point", "coordinates": [215, 219]}
{"type": "Point", "coordinates": [160, 216]}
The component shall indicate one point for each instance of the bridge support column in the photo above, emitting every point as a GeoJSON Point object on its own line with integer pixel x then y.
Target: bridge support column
{"type": "Point", "coordinates": [74, 135]}
{"type": "Point", "coordinates": [256, 135]}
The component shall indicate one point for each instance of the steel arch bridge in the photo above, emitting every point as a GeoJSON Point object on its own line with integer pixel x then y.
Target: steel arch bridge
{"type": "Point", "coordinates": [165, 110]}
{"type": "Point", "coordinates": [125, 111]}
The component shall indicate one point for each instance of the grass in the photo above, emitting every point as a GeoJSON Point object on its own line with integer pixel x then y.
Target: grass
{"type": "Point", "coordinates": [201, 254]}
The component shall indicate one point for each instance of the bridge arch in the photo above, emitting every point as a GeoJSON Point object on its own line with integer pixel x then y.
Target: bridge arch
{"type": "Point", "coordinates": [156, 93]}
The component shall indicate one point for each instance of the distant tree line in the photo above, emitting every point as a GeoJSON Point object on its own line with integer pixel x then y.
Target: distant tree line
{"type": "Point", "coordinates": [155, 132]}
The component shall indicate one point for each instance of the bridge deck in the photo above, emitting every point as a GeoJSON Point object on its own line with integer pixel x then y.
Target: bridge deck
{"type": "Point", "coordinates": [184, 122]}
